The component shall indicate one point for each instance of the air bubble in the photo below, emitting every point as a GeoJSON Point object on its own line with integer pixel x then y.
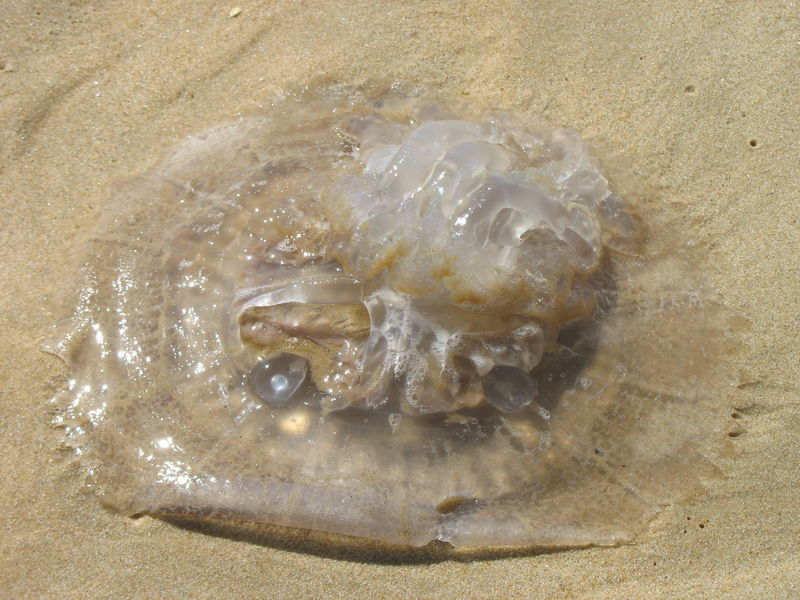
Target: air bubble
{"type": "Point", "coordinates": [394, 421]}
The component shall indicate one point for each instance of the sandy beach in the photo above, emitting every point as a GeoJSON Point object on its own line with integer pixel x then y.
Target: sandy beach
{"type": "Point", "coordinates": [698, 97]}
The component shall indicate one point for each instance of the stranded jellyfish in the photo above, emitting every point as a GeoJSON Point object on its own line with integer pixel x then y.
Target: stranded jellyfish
{"type": "Point", "coordinates": [376, 314]}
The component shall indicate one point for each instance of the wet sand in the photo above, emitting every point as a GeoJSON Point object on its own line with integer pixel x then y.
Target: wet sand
{"type": "Point", "coordinates": [700, 98]}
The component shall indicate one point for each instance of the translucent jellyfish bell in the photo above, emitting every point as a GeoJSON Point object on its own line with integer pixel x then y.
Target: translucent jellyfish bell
{"type": "Point", "coordinates": [366, 313]}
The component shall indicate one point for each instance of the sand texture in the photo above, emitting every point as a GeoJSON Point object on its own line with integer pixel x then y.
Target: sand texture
{"type": "Point", "coordinates": [699, 98]}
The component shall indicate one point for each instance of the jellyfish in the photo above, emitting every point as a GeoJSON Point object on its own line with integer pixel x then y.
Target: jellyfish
{"type": "Point", "coordinates": [377, 313]}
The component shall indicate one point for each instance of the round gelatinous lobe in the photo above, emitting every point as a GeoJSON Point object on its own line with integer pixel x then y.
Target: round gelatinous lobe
{"type": "Point", "coordinates": [363, 312]}
{"type": "Point", "coordinates": [276, 378]}
{"type": "Point", "coordinates": [509, 389]}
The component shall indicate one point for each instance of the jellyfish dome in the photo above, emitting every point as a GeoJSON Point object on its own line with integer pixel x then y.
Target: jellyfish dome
{"type": "Point", "coordinates": [375, 313]}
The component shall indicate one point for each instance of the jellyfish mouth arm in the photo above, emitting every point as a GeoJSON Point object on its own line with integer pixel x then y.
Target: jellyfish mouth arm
{"type": "Point", "coordinates": [321, 308]}
{"type": "Point", "coordinates": [422, 358]}
{"type": "Point", "coordinates": [320, 289]}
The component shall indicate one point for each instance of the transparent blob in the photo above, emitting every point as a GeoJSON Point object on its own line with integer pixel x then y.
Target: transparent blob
{"type": "Point", "coordinates": [276, 378]}
{"type": "Point", "coordinates": [483, 341]}
{"type": "Point", "coordinates": [509, 389]}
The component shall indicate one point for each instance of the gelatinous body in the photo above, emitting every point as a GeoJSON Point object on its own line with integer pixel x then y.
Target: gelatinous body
{"type": "Point", "coordinates": [446, 248]}
{"type": "Point", "coordinates": [355, 309]}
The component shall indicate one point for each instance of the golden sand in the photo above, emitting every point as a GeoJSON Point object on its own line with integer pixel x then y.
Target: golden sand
{"type": "Point", "coordinates": [699, 97]}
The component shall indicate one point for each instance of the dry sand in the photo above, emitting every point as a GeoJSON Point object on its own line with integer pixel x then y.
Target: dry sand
{"type": "Point", "coordinates": [700, 97]}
